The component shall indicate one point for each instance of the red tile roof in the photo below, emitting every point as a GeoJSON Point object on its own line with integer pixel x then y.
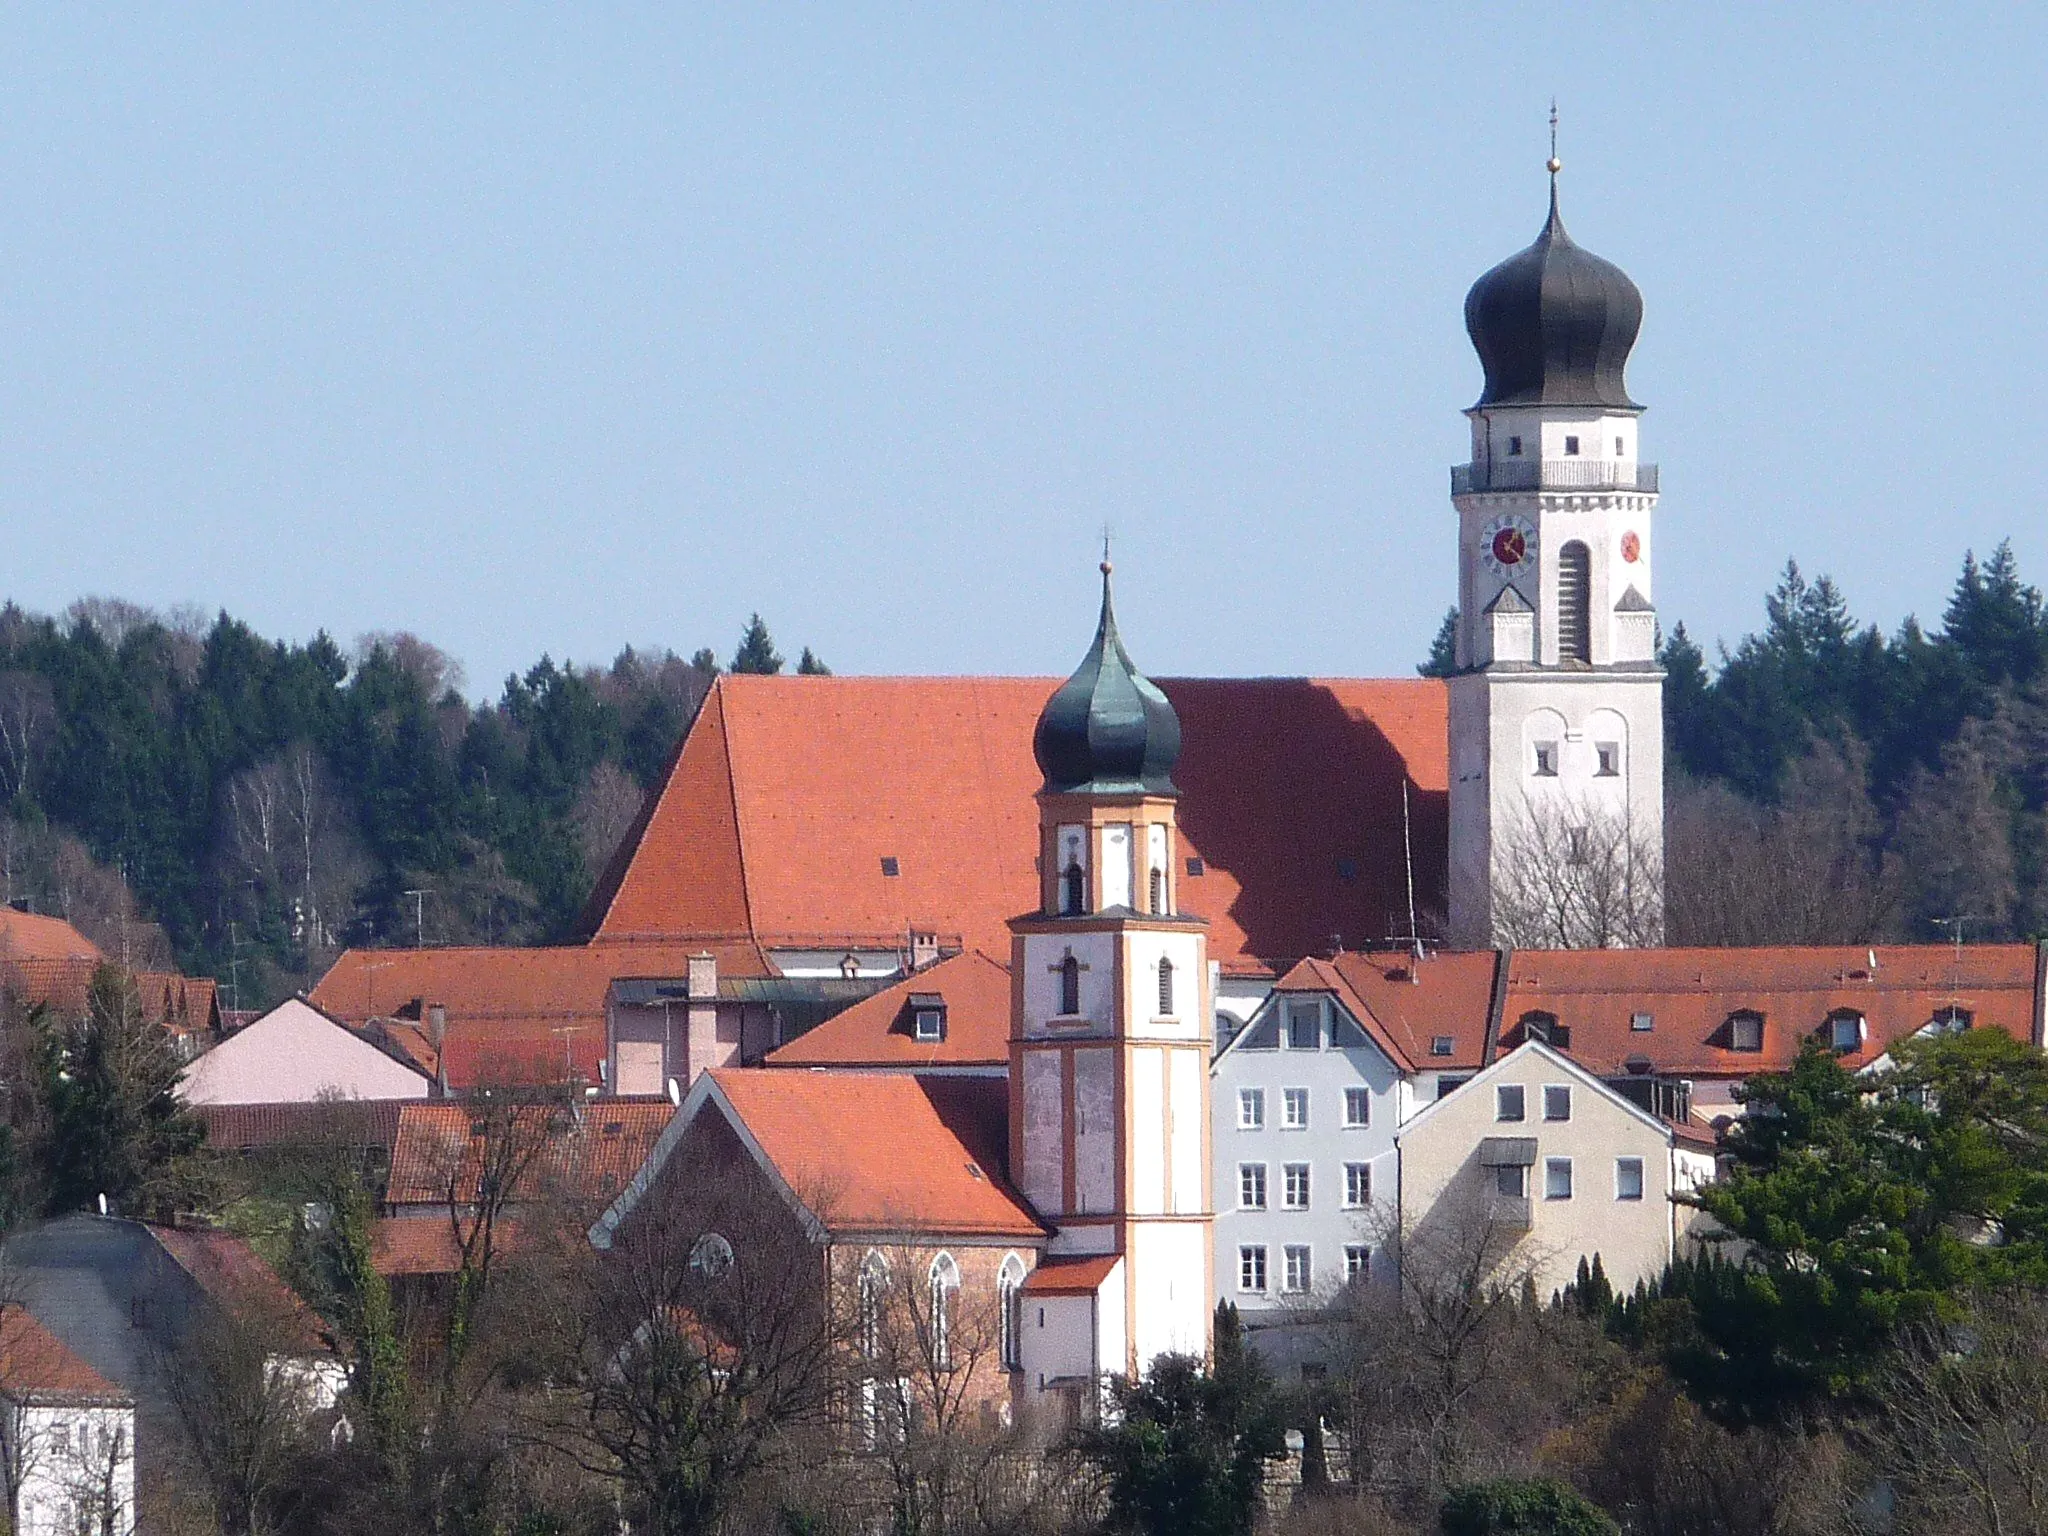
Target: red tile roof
{"type": "Point", "coordinates": [355, 1122]}
{"type": "Point", "coordinates": [229, 1271]}
{"type": "Point", "coordinates": [185, 1004]}
{"type": "Point", "coordinates": [886, 1151]}
{"type": "Point", "coordinates": [1405, 1006]}
{"type": "Point", "coordinates": [514, 1015]}
{"type": "Point", "coordinates": [425, 1245]}
{"type": "Point", "coordinates": [1071, 1276]}
{"type": "Point", "coordinates": [589, 1155]}
{"type": "Point", "coordinates": [1690, 994]}
{"type": "Point", "coordinates": [37, 1367]}
{"type": "Point", "coordinates": [789, 792]}
{"type": "Point", "coordinates": [32, 936]}
{"type": "Point", "coordinates": [877, 1032]}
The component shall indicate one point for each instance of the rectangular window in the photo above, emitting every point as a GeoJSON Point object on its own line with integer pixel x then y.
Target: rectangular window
{"type": "Point", "coordinates": [1557, 1178]}
{"type": "Point", "coordinates": [1546, 760]}
{"type": "Point", "coordinates": [1847, 1030]}
{"type": "Point", "coordinates": [1628, 1178]}
{"type": "Point", "coordinates": [1440, 1045]}
{"type": "Point", "coordinates": [1304, 1026]}
{"type": "Point", "coordinates": [1251, 1267]}
{"type": "Point", "coordinates": [1357, 1106]}
{"type": "Point", "coordinates": [1296, 1278]}
{"type": "Point", "coordinates": [1511, 1180]}
{"type": "Point", "coordinates": [1571, 447]}
{"type": "Point", "coordinates": [1514, 447]}
{"type": "Point", "coordinates": [1607, 760]}
{"type": "Point", "coordinates": [1641, 1023]}
{"type": "Point", "coordinates": [1448, 1083]}
{"type": "Point", "coordinates": [1294, 1109]}
{"type": "Point", "coordinates": [1509, 1102]}
{"type": "Point", "coordinates": [1357, 1262]}
{"type": "Point", "coordinates": [1746, 1032]}
{"type": "Point", "coordinates": [1251, 1186]}
{"type": "Point", "coordinates": [1620, 447]}
{"type": "Point", "coordinates": [1357, 1185]}
{"type": "Point", "coordinates": [1251, 1109]}
{"type": "Point", "coordinates": [1294, 1191]}
{"type": "Point", "coordinates": [1557, 1103]}
{"type": "Point", "coordinates": [931, 1024]}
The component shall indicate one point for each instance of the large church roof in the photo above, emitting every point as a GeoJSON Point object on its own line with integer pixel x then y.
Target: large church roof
{"type": "Point", "coordinates": [829, 812]}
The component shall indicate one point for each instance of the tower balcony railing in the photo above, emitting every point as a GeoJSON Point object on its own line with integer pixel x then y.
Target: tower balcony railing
{"type": "Point", "coordinates": [1552, 475]}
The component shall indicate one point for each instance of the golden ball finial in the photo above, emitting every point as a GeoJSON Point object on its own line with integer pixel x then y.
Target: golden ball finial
{"type": "Point", "coordinates": [1556, 165]}
{"type": "Point", "coordinates": [1106, 567]}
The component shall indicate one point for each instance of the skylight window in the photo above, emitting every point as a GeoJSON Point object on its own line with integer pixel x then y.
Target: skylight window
{"type": "Point", "coordinates": [890, 868]}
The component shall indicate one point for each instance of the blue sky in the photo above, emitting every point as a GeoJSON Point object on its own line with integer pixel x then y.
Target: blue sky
{"type": "Point", "coordinates": [562, 328]}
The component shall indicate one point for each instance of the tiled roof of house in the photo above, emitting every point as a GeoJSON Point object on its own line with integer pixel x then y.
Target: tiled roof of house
{"type": "Point", "coordinates": [184, 1004]}
{"type": "Point", "coordinates": [1072, 1276]}
{"type": "Point", "coordinates": [351, 1122]}
{"type": "Point", "coordinates": [879, 1031]}
{"type": "Point", "coordinates": [870, 1152]}
{"type": "Point", "coordinates": [33, 936]}
{"type": "Point", "coordinates": [1690, 995]}
{"type": "Point", "coordinates": [790, 793]}
{"type": "Point", "coordinates": [514, 1015]}
{"type": "Point", "coordinates": [237, 1279]}
{"type": "Point", "coordinates": [1407, 1006]}
{"type": "Point", "coordinates": [425, 1244]}
{"type": "Point", "coordinates": [587, 1153]}
{"type": "Point", "coordinates": [37, 1367]}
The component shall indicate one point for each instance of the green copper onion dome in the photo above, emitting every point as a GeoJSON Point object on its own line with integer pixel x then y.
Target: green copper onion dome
{"type": "Point", "coordinates": [1107, 730]}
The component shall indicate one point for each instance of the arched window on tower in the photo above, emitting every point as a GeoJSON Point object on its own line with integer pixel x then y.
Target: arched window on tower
{"type": "Point", "coordinates": [1070, 985]}
{"type": "Point", "coordinates": [1074, 890]}
{"type": "Point", "coordinates": [1010, 1312]}
{"type": "Point", "coordinates": [1575, 603]}
{"type": "Point", "coordinates": [1158, 892]}
{"type": "Point", "coordinates": [1165, 988]}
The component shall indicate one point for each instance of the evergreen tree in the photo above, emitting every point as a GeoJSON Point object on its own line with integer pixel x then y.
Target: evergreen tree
{"type": "Point", "coordinates": [757, 655]}
{"type": "Point", "coordinates": [808, 665]}
{"type": "Point", "coordinates": [1511, 1506]}
{"type": "Point", "coordinates": [1442, 660]}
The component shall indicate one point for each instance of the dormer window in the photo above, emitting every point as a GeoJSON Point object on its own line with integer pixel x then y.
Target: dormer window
{"type": "Point", "coordinates": [1441, 1045]}
{"type": "Point", "coordinates": [1304, 1026]}
{"type": "Point", "coordinates": [1074, 890]}
{"type": "Point", "coordinates": [927, 1017]}
{"type": "Point", "coordinates": [1745, 1032]}
{"type": "Point", "coordinates": [1845, 1031]}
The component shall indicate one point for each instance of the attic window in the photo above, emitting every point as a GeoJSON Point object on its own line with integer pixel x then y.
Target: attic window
{"type": "Point", "coordinates": [1745, 1032]}
{"type": "Point", "coordinates": [1845, 1031]}
{"type": "Point", "coordinates": [927, 1017]}
{"type": "Point", "coordinates": [1544, 1027]}
{"type": "Point", "coordinates": [890, 868]}
{"type": "Point", "coordinates": [1951, 1020]}
{"type": "Point", "coordinates": [1195, 867]}
{"type": "Point", "coordinates": [1641, 1023]}
{"type": "Point", "coordinates": [1441, 1045]}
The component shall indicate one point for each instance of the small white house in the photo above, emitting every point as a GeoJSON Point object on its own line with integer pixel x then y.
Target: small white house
{"type": "Point", "coordinates": [296, 1054]}
{"type": "Point", "coordinates": [67, 1435]}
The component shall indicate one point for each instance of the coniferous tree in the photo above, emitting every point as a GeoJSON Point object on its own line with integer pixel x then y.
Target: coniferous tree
{"type": "Point", "coordinates": [1442, 660]}
{"type": "Point", "coordinates": [808, 665]}
{"type": "Point", "coordinates": [757, 655]}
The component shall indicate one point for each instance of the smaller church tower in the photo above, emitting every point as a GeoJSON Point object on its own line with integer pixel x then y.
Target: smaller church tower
{"type": "Point", "coordinates": [1109, 1060]}
{"type": "Point", "coordinates": [1556, 709]}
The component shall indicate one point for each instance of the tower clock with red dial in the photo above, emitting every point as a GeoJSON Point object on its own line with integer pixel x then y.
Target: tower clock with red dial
{"type": "Point", "coordinates": [1508, 546]}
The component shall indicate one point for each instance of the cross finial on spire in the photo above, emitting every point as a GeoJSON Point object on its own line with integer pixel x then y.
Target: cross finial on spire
{"type": "Point", "coordinates": [1556, 164]}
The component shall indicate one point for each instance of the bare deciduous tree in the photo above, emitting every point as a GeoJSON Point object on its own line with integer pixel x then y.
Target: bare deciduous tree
{"type": "Point", "coordinates": [28, 710]}
{"type": "Point", "coordinates": [1576, 876]}
{"type": "Point", "coordinates": [606, 808]}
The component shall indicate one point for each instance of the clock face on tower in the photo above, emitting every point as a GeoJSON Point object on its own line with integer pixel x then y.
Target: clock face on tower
{"type": "Point", "coordinates": [1508, 546]}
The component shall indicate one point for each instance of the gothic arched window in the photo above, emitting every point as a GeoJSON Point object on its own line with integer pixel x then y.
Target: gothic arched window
{"type": "Point", "coordinates": [945, 1282]}
{"type": "Point", "coordinates": [1074, 897]}
{"type": "Point", "coordinates": [1070, 985]}
{"type": "Point", "coordinates": [874, 1281]}
{"type": "Point", "coordinates": [1575, 603]}
{"type": "Point", "coordinates": [1165, 987]}
{"type": "Point", "coordinates": [1010, 1311]}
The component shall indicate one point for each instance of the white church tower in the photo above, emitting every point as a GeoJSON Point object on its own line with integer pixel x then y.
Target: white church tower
{"type": "Point", "coordinates": [1556, 708]}
{"type": "Point", "coordinates": [1109, 1045]}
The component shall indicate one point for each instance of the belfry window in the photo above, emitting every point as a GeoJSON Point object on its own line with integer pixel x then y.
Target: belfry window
{"type": "Point", "coordinates": [1165, 987]}
{"type": "Point", "coordinates": [1607, 760]}
{"type": "Point", "coordinates": [1074, 890]}
{"type": "Point", "coordinates": [1070, 985]}
{"type": "Point", "coordinates": [1546, 760]}
{"type": "Point", "coordinates": [1574, 602]}
{"type": "Point", "coordinates": [1158, 890]}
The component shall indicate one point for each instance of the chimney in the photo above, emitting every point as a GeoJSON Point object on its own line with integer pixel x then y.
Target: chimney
{"type": "Point", "coordinates": [924, 949]}
{"type": "Point", "coordinates": [703, 977]}
{"type": "Point", "coordinates": [437, 1024]}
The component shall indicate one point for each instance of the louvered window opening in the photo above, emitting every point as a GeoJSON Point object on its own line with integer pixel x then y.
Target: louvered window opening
{"type": "Point", "coordinates": [1574, 615]}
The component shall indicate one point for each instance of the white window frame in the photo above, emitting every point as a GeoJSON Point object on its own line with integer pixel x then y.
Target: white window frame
{"type": "Point", "coordinates": [1296, 1186]}
{"type": "Point", "coordinates": [1621, 1167]}
{"type": "Point", "coordinates": [1355, 1176]}
{"type": "Point", "coordinates": [1252, 1275]}
{"type": "Point", "coordinates": [1552, 1168]}
{"type": "Point", "coordinates": [1297, 1272]}
{"type": "Point", "coordinates": [1511, 1181]}
{"type": "Point", "coordinates": [1357, 1262]}
{"type": "Point", "coordinates": [1548, 1101]}
{"type": "Point", "coordinates": [1292, 1099]}
{"type": "Point", "coordinates": [1251, 1109]}
{"type": "Point", "coordinates": [1506, 1094]}
{"type": "Point", "coordinates": [1357, 1108]}
{"type": "Point", "coordinates": [1251, 1176]}
{"type": "Point", "coordinates": [1310, 1010]}
{"type": "Point", "coordinates": [935, 1018]}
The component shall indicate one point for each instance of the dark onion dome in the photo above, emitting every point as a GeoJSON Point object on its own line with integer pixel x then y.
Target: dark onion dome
{"type": "Point", "coordinates": [1553, 324]}
{"type": "Point", "coordinates": [1107, 730]}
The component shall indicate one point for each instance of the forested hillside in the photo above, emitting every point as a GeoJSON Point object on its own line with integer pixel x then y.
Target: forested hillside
{"type": "Point", "coordinates": [187, 790]}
